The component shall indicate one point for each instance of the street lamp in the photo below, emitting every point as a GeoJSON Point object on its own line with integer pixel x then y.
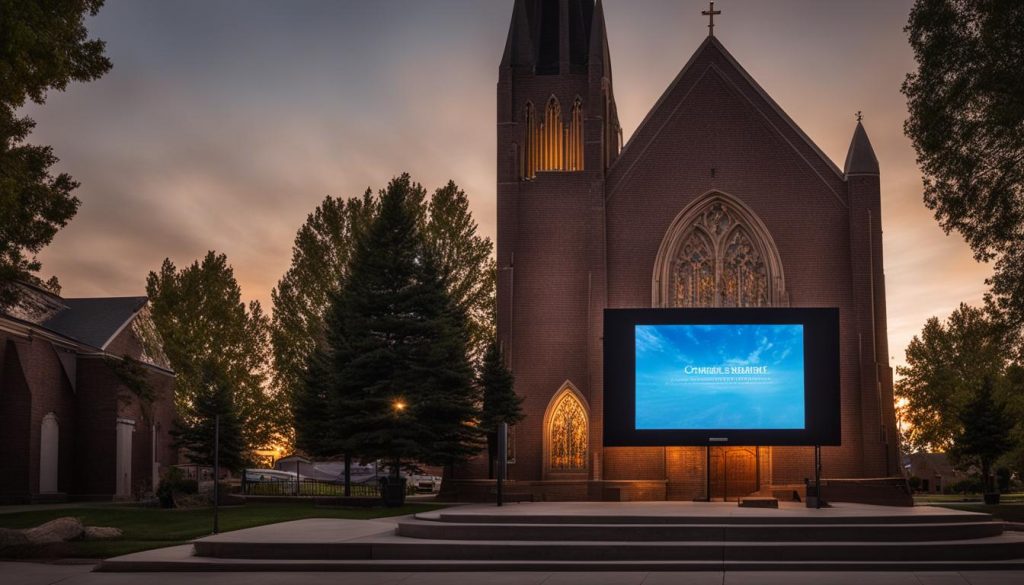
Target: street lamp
{"type": "Point", "coordinates": [398, 405]}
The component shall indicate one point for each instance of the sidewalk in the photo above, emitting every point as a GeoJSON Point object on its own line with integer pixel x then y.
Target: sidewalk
{"type": "Point", "coordinates": [43, 574]}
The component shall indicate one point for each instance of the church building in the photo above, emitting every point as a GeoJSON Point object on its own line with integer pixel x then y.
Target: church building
{"type": "Point", "coordinates": [86, 399]}
{"type": "Point", "coordinates": [717, 200]}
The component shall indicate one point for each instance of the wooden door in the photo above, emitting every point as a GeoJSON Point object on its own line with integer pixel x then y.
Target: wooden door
{"type": "Point", "coordinates": [733, 472]}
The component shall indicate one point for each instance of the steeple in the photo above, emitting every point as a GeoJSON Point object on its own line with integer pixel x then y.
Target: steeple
{"type": "Point", "coordinates": [599, 57]}
{"type": "Point", "coordinates": [518, 47]}
{"type": "Point", "coordinates": [550, 37]}
{"type": "Point", "coordinates": [860, 160]}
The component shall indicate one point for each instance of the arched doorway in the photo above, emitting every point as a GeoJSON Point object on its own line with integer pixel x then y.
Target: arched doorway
{"type": "Point", "coordinates": [718, 253]}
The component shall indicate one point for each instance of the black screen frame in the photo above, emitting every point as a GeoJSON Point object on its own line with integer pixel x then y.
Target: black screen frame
{"type": "Point", "coordinates": [822, 415]}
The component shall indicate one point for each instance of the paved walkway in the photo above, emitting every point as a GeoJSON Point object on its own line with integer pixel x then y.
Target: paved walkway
{"type": "Point", "coordinates": [43, 574]}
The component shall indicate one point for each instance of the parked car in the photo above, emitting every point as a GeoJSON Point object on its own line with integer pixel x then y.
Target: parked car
{"type": "Point", "coordinates": [426, 484]}
{"type": "Point", "coordinates": [271, 482]}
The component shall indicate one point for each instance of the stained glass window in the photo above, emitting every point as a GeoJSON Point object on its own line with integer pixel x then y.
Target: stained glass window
{"type": "Point", "coordinates": [568, 432]}
{"type": "Point", "coordinates": [718, 264]}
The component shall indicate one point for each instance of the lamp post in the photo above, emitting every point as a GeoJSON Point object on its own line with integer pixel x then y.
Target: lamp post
{"type": "Point", "coordinates": [216, 474]}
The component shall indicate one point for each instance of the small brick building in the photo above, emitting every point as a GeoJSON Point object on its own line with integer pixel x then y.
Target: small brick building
{"type": "Point", "coordinates": [718, 200]}
{"type": "Point", "coordinates": [70, 427]}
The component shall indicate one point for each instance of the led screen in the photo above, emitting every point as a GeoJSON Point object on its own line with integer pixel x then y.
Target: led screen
{"type": "Point", "coordinates": [719, 376]}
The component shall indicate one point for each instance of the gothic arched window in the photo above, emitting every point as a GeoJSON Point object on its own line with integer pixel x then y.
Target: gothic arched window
{"type": "Point", "coordinates": [552, 145]}
{"type": "Point", "coordinates": [717, 254]}
{"type": "Point", "coordinates": [568, 433]}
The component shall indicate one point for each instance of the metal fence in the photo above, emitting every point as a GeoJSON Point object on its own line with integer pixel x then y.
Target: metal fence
{"type": "Point", "coordinates": [311, 487]}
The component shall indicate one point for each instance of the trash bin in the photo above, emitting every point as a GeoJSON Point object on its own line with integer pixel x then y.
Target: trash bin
{"type": "Point", "coordinates": [392, 491]}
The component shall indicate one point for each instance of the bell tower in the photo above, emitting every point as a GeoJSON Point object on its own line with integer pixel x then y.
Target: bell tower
{"type": "Point", "coordinates": [558, 133]}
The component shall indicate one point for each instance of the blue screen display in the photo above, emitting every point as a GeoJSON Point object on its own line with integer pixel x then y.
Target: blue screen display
{"type": "Point", "coordinates": [719, 376]}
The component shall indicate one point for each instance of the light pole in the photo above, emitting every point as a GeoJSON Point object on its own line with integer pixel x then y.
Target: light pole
{"type": "Point", "coordinates": [216, 473]}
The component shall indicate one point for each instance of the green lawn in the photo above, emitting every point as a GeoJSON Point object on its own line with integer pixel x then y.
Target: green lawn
{"type": "Point", "coordinates": [146, 528]}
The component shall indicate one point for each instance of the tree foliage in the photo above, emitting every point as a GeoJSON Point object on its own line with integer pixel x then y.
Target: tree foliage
{"type": "Point", "coordinates": [44, 45]}
{"type": "Point", "coordinates": [501, 404]}
{"type": "Point", "coordinates": [945, 366]}
{"type": "Point", "coordinates": [464, 261]}
{"type": "Point", "coordinates": [215, 344]}
{"type": "Point", "coordinates": [320, 257]}
{"type": "Point", "coordinates": [393, 368]}
{"type": "Point", "coordinates": [985, 432]}
{"type": "Point", "coordinates": [966, 104]}
{"type": "Point", "coordinates": [214, 396]}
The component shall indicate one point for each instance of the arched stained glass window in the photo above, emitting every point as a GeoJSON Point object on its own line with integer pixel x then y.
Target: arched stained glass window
{"type": "Point", "coordinates": [568, 434]}
{"type": "Point", "coordinates": [718, 256]}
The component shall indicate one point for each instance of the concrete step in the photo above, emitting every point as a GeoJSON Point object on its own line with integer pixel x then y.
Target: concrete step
{"type": "Point", "coordinates": [180, 559]}
{"type": "Point", "coordinates": [1002, 547]}
{"type": "Point", "coordinates": [762, 517]}
{"type": "Point", "coordinates": [781, 532]}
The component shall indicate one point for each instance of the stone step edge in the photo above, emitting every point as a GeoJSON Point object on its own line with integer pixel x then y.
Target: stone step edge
{"type": "Point", "coordinates": [115, 566]}
{"type": "Point", "coordinates": [782, 533]}
{"type": "Point", "coordinates": [779, 526]}
{"type": "Point", "coordinates": [456, 518]}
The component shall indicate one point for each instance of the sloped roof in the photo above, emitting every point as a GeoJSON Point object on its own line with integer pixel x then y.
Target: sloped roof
{"type": "Point", "coordinates": [95, 321]}
{"type": "Point", "coordinates": [713, 56]}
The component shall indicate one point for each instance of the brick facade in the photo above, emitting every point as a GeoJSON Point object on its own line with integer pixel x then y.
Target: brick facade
{"type": "Point", "coordinates": [571, 244]}
{"type": "Point", "coordinates": [42, 372]}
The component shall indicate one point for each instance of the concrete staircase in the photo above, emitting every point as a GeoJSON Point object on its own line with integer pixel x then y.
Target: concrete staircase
{"type": "Point", "coordinates": [479, 538]}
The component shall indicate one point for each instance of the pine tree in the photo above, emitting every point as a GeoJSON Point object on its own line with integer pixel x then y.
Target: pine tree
{"type": "Point", "coordinates": [402, 384]}
{"type": "Point", "coordinates": [320, 261]}
{"type": "Point", "coordinates": [195, 432]}
{"type": "Point", "coordinates": [501, 404]}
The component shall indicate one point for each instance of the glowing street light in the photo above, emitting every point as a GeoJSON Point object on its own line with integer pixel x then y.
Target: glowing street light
{"type": "Point", "coordinates": [398, 405]}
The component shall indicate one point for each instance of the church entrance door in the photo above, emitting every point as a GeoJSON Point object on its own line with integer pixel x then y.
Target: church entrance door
{"type": "Point", "coordinates": [733, 472]}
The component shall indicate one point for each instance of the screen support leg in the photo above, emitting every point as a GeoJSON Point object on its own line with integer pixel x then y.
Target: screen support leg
{"type": "Point", "coordinates": [707, 473]}
{"type": "Point", "coordinates": [817, 476]}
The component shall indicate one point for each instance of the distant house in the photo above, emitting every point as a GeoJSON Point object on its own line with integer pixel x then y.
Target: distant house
{"type": "Point", "coordinates": [70, 426]}
{"type": "Point", "coordinates": [934, 471]}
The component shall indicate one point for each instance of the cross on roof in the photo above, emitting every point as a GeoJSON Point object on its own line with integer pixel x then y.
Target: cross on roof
{"type": "Point", "coordinates": [710, 13]}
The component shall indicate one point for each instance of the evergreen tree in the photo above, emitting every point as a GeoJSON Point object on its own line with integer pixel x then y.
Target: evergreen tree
{"type": "Point", "coordinates": [205, 327]}
{"type": "Point", "coordinates": [402, 384]}
{"type": "Point", "coordinates": [501, 404]}
{"type": "Point", "coordinates": [320, 259]}
{"type": "Point", "coordinates": [43, 45]}
{"type": "Point", "coordinates": [310, 399]}
{"type": "Point", "coordinates": [195, 431]}
{"type": "Point", "coordinates": [985, 432]}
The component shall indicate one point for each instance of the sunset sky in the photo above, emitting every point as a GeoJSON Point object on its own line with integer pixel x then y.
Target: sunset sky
{"type": "Point", "coordinates": [223, 123]}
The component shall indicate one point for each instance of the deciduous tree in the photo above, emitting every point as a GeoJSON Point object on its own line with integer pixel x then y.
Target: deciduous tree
{"type": "Point", "coordinates": [985, 432]}
{"type": "Point", "coordinates": [211, 340]}
{"type": "Point", "coordinates": [966, 104]}
{"type": "Point", "coordinates": [945, 366]}
{"type": "Point", "coordinates": [44, 45]}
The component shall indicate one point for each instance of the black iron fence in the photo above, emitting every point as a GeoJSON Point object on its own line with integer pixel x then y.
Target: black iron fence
{"type": "Point", "coordinates": [311, 487]}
